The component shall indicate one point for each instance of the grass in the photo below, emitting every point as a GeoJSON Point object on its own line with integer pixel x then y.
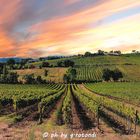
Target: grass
{"type": "Point", "coordinates": [102, 60]}
{"type": "Point", "coordinates": [94, 73]}
{"type": "Point", "coordinates": [129, 91]}
{"type": "Point", "coordinates": [9, 119]}
{"type": "Point", "coordinates": [90, 68]}
{"type": "Point", "coordinates": [54, 74]}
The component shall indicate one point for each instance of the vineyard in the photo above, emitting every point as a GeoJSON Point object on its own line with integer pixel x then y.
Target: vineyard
{"type": "Point", "coordinates": [71, 105]}
{"type": "Point", "coordinates": [129, 92]}
{"type": "Point", "coordinates": [90, 69]}
{"type": "Point", "coordinates": [94, 73]}
{"type": "Point", "coordinates": [89, 74]}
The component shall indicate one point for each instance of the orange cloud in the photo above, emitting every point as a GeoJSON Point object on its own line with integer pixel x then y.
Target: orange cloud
{"type": "Point", "coordinates": [7, 45]}
{"type": "Point", "coordinates": [75, 33]}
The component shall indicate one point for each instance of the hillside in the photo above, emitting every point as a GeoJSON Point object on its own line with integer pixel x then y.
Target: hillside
{"type": "Point", "coordinates": [54, 74]}
{"type": "Point", "coordinates": [98, 60]}
{"type": "Point", "coordinates": [90, 68]}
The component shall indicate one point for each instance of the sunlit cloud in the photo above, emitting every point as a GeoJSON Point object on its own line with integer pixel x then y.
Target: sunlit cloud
{"type": "Point", "coordinates": [28, 29]}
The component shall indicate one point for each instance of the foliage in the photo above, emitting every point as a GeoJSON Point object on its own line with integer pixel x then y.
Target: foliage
{"type": "Point", "coordinates": [39, 80]}
{"type": "Point", "coordinates": [46, 72]}
{"type": "Point", "coordinates": [65, 63]}
{"type": "Point", "coordinates": [87, 54]}
{"type": "Point", "coordinates": [68, 63]}
{"type": "Point", "coordinates": [8, 77]}
{"type": "Point", "coordinates": [45, 64]}
{"type": "Point", "coordinates": [129, 91]}
{"type": "Point", "coordinates": [70, 76]}
{"type": "Point", "coordinates": [21, 96]}
{"type": "Point", "coordinates": [11, 62]}
{"type": "Point", "coordinates": [114, 74]}
{"type": "Point", "coordinates": [66, 109]}
{"type": "Point", "coordinates": [107, 74]}
{"type": "Point", "coordinates": [115, 106]}
{"type": "Point", "coordinates": [29, 78]}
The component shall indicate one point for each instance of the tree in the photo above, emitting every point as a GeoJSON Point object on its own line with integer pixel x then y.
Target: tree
{"type": "Point", "coordinates": [68, 63]}
{"type": "Point", "coordinates": [11, 62]}
{"type": "Point", "coordinates": [41, 59]}
{"type": "Point", "coordinates": [60, 64]}
{"type": "Point", "coordinates": [111, 51]}
{"type": "Point", "coordinates": [45, 64]}
{"type": "Point", "coordinates": [1, 68]}
{"type": "Point", "coordinates": [5, 71]}
{"type": "Point", "coordinates": [114, 74]}
{"type": "Point", "coordinates": [133, 51]}
{"type": "Point", "coordinates": [87, 54]}
{"type": "Point", "coordinates": [107, 73]}
{"type": "Point", "coordinates": [100, 52]}
{"type": "Point", "coordinates": [31, 66]}
{"type": "Point", "coordinates": [118, 52]}
{"type": "Point", "coordinates": [70, 76]}
{"type": "Point", "coordinates": [39, 80]}
{"type": "Point", "coordinates": [23, 63]}
{"type": "Point", "coordinates": [29, 79]}
{"type": "Point", "coordinates": [46, 73]}
{"type": "Point", "coordinates": [117, 74]}
{"type": "Point", "coordinates": [66, 78]}
{"type": "Point", "coordinates": [12, 78]}
{"type": "Point", "coordinates": [65, 63]}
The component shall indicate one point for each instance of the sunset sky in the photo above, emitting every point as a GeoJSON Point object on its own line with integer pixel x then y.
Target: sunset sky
{"type": "Point", "coordinates": [34, 28]}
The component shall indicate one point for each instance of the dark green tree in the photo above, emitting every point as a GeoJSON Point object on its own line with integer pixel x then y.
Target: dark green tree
{"type": "Point", "coordinates": [100, 52]}
{"type": "Point", "coordinates": [29, 78]}
{"type": "Point", "coordinates": [60, 64]}
{"type": "Point", "coordinates": [46, 73]}
{"type": "Point", "coordinates": [39, 80]}
{"type": "Point", "coordinates": [45, 64]}
{"type": "Point", "coordinates": [12, 78]}
{"type": "Point", "coordinates": [116, 74]}
{"type": "Point", "coordinates": [66, 78]}
{"type": "Point", "coordinates": [107, 74]}
{"type": "Point", "coordinates": [11, 62]}
{"type": "Point", "coordinates": [70, 76]}
{"type": "Point", "coordinates": [88, 54]}
{"type": "Point", "coordinates": [68, 63]}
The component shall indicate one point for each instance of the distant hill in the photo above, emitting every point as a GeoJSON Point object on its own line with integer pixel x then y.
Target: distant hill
{"type": "Point", "coordinates": [4, 60]}
{"type": "Point", "coordinates": [90, 68]}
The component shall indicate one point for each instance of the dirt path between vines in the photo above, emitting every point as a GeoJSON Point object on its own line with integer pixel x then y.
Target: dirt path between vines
{"type": "Point", "coordinates": [25, 130]}
{"type": "Point", "coordinates": [107, 129]}
{"type": "Point", "coordinates": [13, 133]}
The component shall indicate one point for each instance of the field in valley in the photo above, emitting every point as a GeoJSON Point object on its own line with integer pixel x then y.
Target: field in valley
{"type": "Point", "coordinates": [109, 110]}
{"type": "Point", "coordinates": [35, 109]}
{"type": "Point", "coordinates": [89, 69]}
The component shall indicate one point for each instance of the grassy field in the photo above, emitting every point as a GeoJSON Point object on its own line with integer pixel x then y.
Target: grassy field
{"type": "Point", "coordinates": [54, 74]}
{"type": "Point", "coordinates": [85, 73]}
{"type": "Point", "coordinates": [31, 110]}
{"type": "Point", "coordinates": [129, 91]}
{"type": "Point", "coordinates": [69, 109]}
{"type": "Point", "coordinates": [90, 68]}
{"type": "Point", "coordinates": [99, 60]}
{"type": "Point", "coordinates": [94, 73]}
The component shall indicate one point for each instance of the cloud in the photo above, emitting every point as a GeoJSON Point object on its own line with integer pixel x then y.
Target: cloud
{"type": "Point", "coordinates": [69, 2]}
{"type": "Point", "coordinates": [30, 28]}
{"type": "Point", "coordinates": [7, 45]}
